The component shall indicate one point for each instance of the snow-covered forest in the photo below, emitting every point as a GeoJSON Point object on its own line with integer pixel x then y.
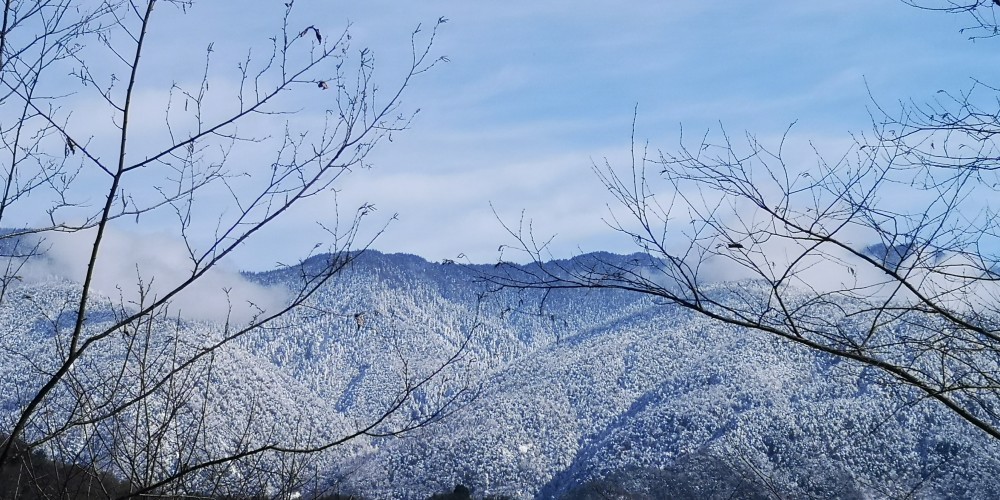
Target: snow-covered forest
{"type": "Point", "coordinates": [582, 394]}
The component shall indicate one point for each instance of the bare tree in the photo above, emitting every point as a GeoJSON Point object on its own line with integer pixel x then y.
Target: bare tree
{"type": "Point", "coordinates": [887, 255]}
{"type": "Point", "coordinates": [983, 14]}
{"type": "Point", "coordinates": [217, 158]}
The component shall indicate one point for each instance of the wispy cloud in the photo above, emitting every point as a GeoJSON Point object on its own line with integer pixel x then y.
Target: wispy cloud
{"type": "Point", "coordinates": [536, 91]}
{"type": "Point", "coordinates": [131, 264]}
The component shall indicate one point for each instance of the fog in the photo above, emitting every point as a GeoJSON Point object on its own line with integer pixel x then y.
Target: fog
{"type": "Point", "coordinates": [128, 262]}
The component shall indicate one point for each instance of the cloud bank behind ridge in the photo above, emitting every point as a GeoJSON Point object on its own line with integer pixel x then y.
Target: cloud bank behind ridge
{"type": "Point", "coordinates": [161, 263]}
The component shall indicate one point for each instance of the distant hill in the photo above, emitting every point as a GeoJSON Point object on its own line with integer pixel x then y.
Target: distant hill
{"type": "Point", "coordinates": [591, 394]}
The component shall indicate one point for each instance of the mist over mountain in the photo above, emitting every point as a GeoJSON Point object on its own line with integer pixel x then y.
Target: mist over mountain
{"type": "Point", "coordinates": [584, 394]}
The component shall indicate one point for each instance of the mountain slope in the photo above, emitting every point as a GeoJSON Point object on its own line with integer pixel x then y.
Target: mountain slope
{"type": "Point", "coordinates": [582, 393]}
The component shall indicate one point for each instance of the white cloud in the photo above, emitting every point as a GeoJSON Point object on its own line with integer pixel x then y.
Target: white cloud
{"type": "Point", "coordinates": [161, 262]}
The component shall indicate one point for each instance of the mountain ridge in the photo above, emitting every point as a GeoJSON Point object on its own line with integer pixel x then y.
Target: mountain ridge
{"type": "Point", "coordinates": [597, 390]}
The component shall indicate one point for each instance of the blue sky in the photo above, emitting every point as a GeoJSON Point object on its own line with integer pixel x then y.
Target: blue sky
{"type": "Point", "coordinates": [536, 91]}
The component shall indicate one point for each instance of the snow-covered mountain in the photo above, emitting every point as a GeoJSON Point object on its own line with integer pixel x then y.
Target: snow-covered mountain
{"type": "Point", "coordinates": [584, 394]}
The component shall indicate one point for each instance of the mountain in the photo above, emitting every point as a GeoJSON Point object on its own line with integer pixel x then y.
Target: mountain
{"type": "Point", "coordinates": [573, 394]}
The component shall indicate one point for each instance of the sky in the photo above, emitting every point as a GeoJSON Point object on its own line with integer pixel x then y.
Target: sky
{"type": "Point", "coordinates": [535, 93]}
